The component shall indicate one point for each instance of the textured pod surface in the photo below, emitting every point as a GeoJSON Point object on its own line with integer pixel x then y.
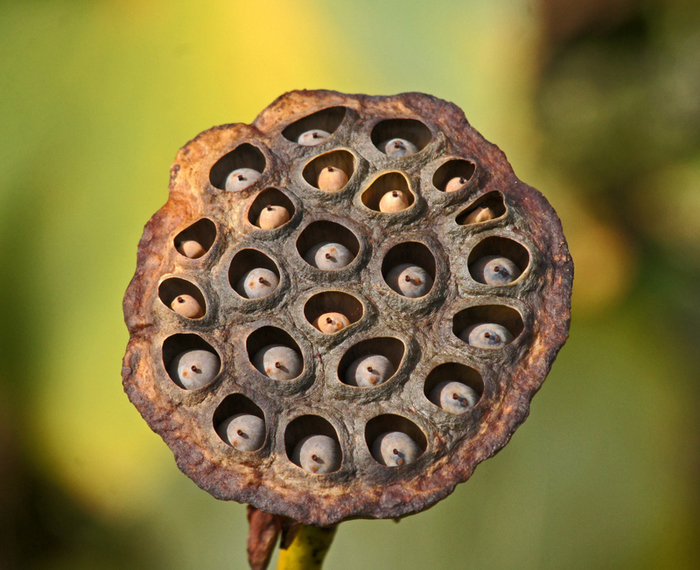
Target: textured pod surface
{"type": "Point", "coordinates": [442, 232]}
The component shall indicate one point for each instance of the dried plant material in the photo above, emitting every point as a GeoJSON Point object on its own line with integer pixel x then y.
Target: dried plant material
{"type": "Point", "coordinates": [411, 402]}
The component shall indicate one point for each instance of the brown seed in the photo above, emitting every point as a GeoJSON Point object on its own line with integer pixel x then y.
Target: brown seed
{"type": "Point", "coordinates": [191, 248]}
{"type": "Point", "coordinates": [456, 184]}
{"type": "Point", "coordinates": [329, 323]}
{"type": "Point", "coordinates": [187, 306]}
{"type": "Point", "coordinates": [480, 214]}
{"type": "Point", "coordinates": [393, 201]}
{"type": "Point", "coordinates": [332, 179]}
{"type": "Point", "coordinates": [272, 217]}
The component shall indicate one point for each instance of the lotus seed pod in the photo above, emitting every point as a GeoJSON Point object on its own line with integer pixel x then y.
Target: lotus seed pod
{"type": "Point", "coordinates": [257, 283]}
{"type": "Point", "coordinates": [393, 201]}
{"type": "Point", "coordinates": [195, 368]}
{"type": "Point", "coordinates": [494, 270]}
{"type": "Point", "coordinates": [317, 454]}
{"type": "Point", "coordinates": [368, 371]}
{"type": "Point", "coordinates": [398, 147]}
{"type": "Point", "coordinates": [272, 217]}
{"type": "Point", "coordinates": [409, 280]}
{"type": "Point", "coordinates": [328, 256]}
{"type": "Point", "coordinates": [187, 306]}
{"type": "Point", "coordinates": [331, 323]}
{"type": "Point", "coordinates": [480, 214]}
{"type": "Point", "coordinates": [456, 184]}
{"type": "Point", "coordinates": [278, 362]}
{"type": "Point", "coordinates": [332, 179]}
{"type": "Point", "coordinates": [454, 397]}
{"type": "Point", "coordinates": [486, 335]}
{"type": "Point", "coordinates": [314, 394]}
{"type": "Point", "coordinates": [245, 432]}
{"type": "Point", "coordinates": [191, 248]}
{"type": "Point", "coordinates": [395, 449]}
{"type": "Point", "coordinates": [241, 178]}
{"type": "Point", "coordinates": [313, 137]}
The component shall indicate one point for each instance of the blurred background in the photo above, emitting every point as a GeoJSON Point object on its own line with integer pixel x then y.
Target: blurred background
{"type": "Point", "coordinates": [596, 103]}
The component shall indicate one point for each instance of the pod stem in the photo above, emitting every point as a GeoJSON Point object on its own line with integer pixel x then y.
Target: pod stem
{"type": "Point", "coordinates": [307, 548]}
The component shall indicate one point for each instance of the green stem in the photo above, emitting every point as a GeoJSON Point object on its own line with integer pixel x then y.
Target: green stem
{"type": "Point", "coordinates": [308, 548]}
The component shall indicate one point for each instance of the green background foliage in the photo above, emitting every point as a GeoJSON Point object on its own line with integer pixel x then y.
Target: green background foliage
{"type": "Point", "coordinates": [596, 104]}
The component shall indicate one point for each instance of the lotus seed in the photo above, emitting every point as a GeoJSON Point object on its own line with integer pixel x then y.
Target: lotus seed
{"type": "Point", "coordinates": [368, 371]}
{"type": "Point", "coordinates": [398, 147]}
{"type": "Point", "coordinates": [317, 454]}
{"type": "Point", "coordinates": [393, 201]}
{"type": "Point", "coordinates": [245, 432]}
{"type": "Point", "coordinates": [332, 179]}
{"type": "Point", "coordinates": [456, 184]}
{"type": "Point", "coordinates": [395, 449]}
{"type": "Point", "coordinates": [494, 270]}
{"type": "Point", "coordinates": [257, 283]}
{"type": "Point", "coordinates": [409, 280]}
{"type": "Point", "coordinates": [278, 362]}
{"type": "Point", "coordinates": [313, 137]}
{"type": "Point", "coordinates": [454, 397]}
{"type": "Point", "coordinates": [187, 306]}
{"type": "Point", "coordinates": [240, 179]}
{"type": "Point", "coordinates": [272, 217]}
{"type": "Point", "coordinates": [480, 214]}
{"type": "Point", "coordinates": [194, 368]}
{"type": "Point", "coordinates": [486, 335]}
{"type": "Point", "coordinates": [328, 256]}
{"type": "Point", "coordinates": [191, 248]}
{"type": "Point", "coordinates": [330, 323]}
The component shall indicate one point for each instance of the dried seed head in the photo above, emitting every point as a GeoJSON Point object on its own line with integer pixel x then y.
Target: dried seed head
{"type": "Point", "coordinates": [187, 306]}
{"type": "Point", "coordinates": [456, 184]}
{"type": "Point", "coordinates": [368, 371]}
{"type": "Point", "coordinates": [494, 270]}
{"type": "Point", "coordinates": [480, 214]}
{"type": "Point", "coordinates": [245, 432]}
{"type": "Point", "coordinates": [409, 280]}
{"type": "Point", "coordinates": [194, 368]}
{"type": "Point", "coordinates": [328, 256]}
{"type": "Point", "coordinates": [257, 283]}
{"type": "Point", "coordinates": [313, 137]}
{"type": "Point", "coordinates": [486, 335]}
{"type": "Point", "coordinates": [317, 454]}
{"type": "Point", "coordinates": [330, 323]}
{"type": "Point", "coordinates": [241, 178]}
{"type": "Point", "coordinates": [454, 397]}
{"type": "Point", "coordinates": [278, 362]}
{"type": "Point", "coordinates": [272, 217]}
{"type": "Point", "coordinates": [191, 248]}
{"type": "Point", "coordinates": [393, 201]}
{"type": "Point", "coordinates": [395, 449]}
{"type": "Point", "coordinates": [398, 147]}
{"type": "Point", "coordinates": [332, 179]}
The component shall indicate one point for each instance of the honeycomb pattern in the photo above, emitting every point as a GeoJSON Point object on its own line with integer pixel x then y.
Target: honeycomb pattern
{"type": "Point", "coordinates": [385, 252]}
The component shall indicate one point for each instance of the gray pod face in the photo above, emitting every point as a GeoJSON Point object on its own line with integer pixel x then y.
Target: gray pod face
{"type": "Point", "coordinates": [278, 362]}
{"type": "Point", "coordinates": [257, 283]}
{"type": "Point", "coordinates": [395, 449]}
{"type": "Point", "coordinates": [195, 368]}
{"type": "Point", "coordinates": [454, 397]}
{"type": "Point", "coordinates": [369, 371]}
{"type": "Point", "coordinates": [398, 147]}
{"type": "Point", "coordinates": [409, 280]}
{"type": "Point", "coordinates": [240, 179]}
{"type": "Point", "coordinates": [494, 270]}
{"type": "Point", "coordinates": [328, 256]}
{"type": "Point", "coordinates": [486, 335]}
{"type": "Point", "coordinates": [313, 137]}
{"type": "Point", "coordinates": [244, 432]}
{"type": "Point", "coordinates": [317, 454]}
